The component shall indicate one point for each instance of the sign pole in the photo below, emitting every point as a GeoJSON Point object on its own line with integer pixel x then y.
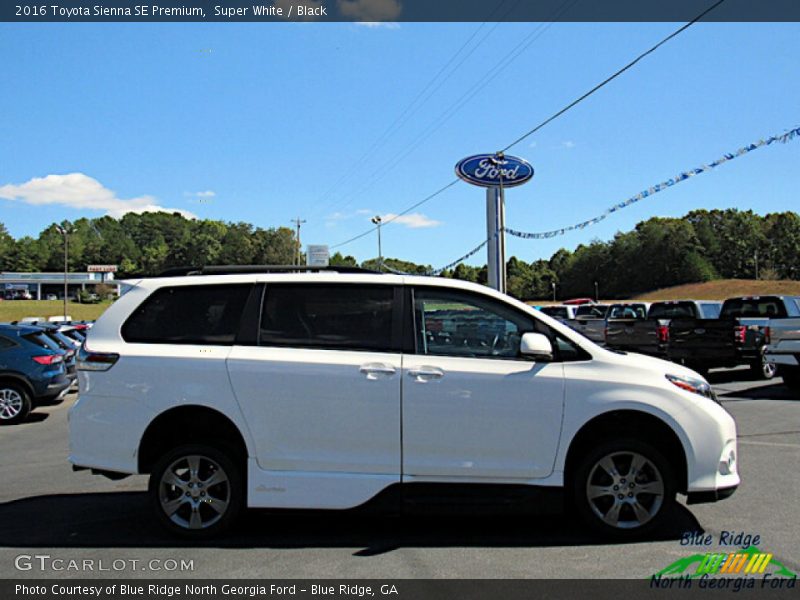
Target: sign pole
{"type": "Point", "coordinates": [495, 233]}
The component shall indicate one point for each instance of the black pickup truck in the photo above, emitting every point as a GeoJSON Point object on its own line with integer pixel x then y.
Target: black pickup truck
{"type": "Point", "coordinates": [737, 337]}
{"type": "Point", "coordinates": [633, 330]}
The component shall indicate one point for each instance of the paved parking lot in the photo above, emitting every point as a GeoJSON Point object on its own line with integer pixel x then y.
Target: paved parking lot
{"type": "Point", "coordinates": [46, 509]}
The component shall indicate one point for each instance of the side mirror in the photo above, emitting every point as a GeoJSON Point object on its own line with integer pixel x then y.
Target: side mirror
{"type": "Point", "coordinates": [536, 345]}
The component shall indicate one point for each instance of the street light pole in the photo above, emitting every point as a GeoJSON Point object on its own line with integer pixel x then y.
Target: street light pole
{"type": "Point", "coordinates": [376, 220]}
{"type": "Point", "coordinates": [596, 293]}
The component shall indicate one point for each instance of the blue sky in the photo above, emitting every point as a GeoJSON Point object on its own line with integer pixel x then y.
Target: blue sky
{"type": "Point", "coordinates": [260, 122]}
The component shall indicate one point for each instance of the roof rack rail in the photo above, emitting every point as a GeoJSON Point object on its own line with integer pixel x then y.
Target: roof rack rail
{"type": "Point", "coordinates": [244, 269]}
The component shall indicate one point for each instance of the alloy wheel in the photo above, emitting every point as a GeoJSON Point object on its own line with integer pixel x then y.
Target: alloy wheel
{"type": "Point", "coordinates": [194, 492]}
{"type": "Point", "coordinates": [625, 490]}
{"type": "Point", "coordinates": [11, 403]}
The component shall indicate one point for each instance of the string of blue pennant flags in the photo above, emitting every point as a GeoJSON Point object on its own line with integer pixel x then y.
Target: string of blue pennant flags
{"type": "Point", "coordinates": [683, 176]}
{"type": "Point", "coordinates": [783, 138]}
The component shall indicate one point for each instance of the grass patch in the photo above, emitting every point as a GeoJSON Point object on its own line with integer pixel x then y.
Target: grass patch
{"type": "Point", "coordinates": [14, 310]}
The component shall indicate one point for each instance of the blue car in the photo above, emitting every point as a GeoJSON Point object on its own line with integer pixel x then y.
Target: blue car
{"type": "Point", "coordinates": [32, 370]}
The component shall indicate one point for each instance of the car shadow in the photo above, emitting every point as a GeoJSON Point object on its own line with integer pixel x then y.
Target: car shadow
{"type": "Point", "coordinates": [37, 417]}
{"type": "Point", "coordinates": [123, 519]}
{"type": "Point", "coordinates": [773, 391]}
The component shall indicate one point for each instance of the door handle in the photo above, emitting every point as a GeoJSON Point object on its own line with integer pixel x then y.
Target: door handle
{"type": "Point", "coordinates": [375, 370]}
{"type": "Point", "coordinates": [426, 373]}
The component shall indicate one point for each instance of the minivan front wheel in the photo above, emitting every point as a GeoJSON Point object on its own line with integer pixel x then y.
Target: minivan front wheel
{"type": "Point", "coordinates": [15, 404]}
{"type": "Point", "coordinates": [196, 490]}
{"type": "Point", "coordinates": [624, 488]}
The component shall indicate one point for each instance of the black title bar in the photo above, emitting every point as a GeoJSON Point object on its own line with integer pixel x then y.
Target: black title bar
{"type": "Point", "coordinates": [377, 11]}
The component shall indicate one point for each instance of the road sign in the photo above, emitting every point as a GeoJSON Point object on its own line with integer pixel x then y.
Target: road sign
{"type": "Point", "coordinates": [318, 256]}
{"type": "Point", "coordinates": [102, 268]}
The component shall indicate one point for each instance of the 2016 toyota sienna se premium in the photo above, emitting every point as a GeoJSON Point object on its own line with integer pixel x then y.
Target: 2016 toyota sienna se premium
{"type": "Point", "coordinates": [320, 390]}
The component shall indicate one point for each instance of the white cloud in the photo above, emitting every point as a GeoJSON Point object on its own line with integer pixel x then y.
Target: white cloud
{"type": "Point", "coordinates": [370, 10]}
{"type": "Point", "coordinates": [568, 144]}
{"type": "Point", "coordinates": [413, 221]}
{"type": "Point", "coordinates": [378, 24]}
{"type": "Point", "coordinates": [341, 216]}
{"type": "Point", "coordinates": [205, 194]}
{"type": "Point", "coordinates": [532, 145]}
{"type": "Point", "coordinates": [79, 191]}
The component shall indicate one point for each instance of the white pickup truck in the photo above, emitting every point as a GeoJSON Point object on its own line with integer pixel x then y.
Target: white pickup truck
{"type": "Point", "coordinates": [784, 347]}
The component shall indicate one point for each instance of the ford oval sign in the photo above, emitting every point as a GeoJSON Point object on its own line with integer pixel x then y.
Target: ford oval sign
{"type": "Point", "coordinates": [487, 170]}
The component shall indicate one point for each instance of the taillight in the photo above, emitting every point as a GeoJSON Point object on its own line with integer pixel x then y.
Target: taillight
{"type": "Point", "coordinates": [739, 333]}
{"type": "Point", "coordinates": [663, 333]}
{"type": "Point", "coordinates": [767, 335]}
{"type": "Point", "coordinates": [48, 359]}
{"type": "Point", "coordinates": [95, 361]}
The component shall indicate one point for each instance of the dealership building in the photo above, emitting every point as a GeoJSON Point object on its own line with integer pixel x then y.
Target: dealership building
{"type": "Point", "coordinates": [42, 285]}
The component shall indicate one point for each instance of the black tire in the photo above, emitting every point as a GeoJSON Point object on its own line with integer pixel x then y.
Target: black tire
{"type": "Point", "coordinates": [791, 376]}
{"type": "Point", "coordinates": [201, 509]}
{"type": "Point", "coordinates": [761, 369]}
{"type": "Point", "coordinates": [641, 505]}
{"type": "Point", "coordinates": [15, 404]}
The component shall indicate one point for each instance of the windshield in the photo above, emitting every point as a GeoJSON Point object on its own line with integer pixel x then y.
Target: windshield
{"type": "Point", "coordinates": [672, 310]}
{"type": "Point", "coordinates": [592, 311]}
{"type": "Point", "coordinates": [628, 311]}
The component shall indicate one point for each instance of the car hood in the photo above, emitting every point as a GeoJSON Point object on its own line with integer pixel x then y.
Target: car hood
{"type": "Point", "coordinates": [651, 364]}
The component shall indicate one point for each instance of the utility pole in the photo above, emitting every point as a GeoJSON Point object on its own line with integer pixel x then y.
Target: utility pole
{"type": "Point", "coordinates": [64, 229]}
{"type": "Point", "coordinates": [376, 220]}
{"type": "Point", "coordinates": [596, 293]}
{"type": "Point", "coordinates": [298, 222]}
{"type": "Point", "coordinates": [553, 284]}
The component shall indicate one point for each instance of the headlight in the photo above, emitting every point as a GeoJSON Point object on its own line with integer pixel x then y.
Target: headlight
{"type": "Point", "coordinates": [696, 386]}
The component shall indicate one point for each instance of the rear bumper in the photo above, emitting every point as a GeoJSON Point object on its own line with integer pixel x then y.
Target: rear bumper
{"type": "Point", "coordinates": [710, 496]}
{"type": "Point", "coordinates": [55, 389]}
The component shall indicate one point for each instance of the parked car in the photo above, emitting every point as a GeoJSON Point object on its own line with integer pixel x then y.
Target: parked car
{"type": "Point", "coordinates": [738, 337]}
{"type": "Point", "coordinates": [783, 349]}
{"type": "Point", "coordinates": [31, 371]}
{"type": "Point", "coordinates": [579, 301]}
{"type": "Point", "coordinates": [60, 319]}
{"type": "Point", "coordinates": [651, 336]}
{"type": "Point", "coordinates": [66, 344]}
{"type": "Point", "coordinates": [323, 389]}
{"type": "Point", "coordinates": [590, 320]}
{"type": "Point", "coordinates": [51, 297]}
{"type": "Point", "coordinates": [562, 312]}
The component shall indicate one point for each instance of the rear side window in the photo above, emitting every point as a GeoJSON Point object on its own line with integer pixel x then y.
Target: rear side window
{"type": "Point", "coordinates": [6, 343]}
{"type": "Point", "coordinates": [201, 314]}
{"type": "Point", "coordinates": [329, 317]}
{"type": "Point", "coordinates": [766, 306]}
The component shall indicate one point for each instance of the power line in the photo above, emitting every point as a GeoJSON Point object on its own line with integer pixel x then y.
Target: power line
{"type": "Point", "coordinates": [614, 76]}
{"type": "Point", "coordinates": [437, 123]}
{"type": "Point", "coordinates": [560, 112]}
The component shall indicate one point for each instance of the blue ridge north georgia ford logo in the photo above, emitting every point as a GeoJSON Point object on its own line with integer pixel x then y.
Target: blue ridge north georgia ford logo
{"type": "Point", "coordinates": [487, 170]}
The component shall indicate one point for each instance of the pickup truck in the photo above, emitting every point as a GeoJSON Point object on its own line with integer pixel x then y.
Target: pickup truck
{"type": "Point", "coordinates": [650, 334]}
{"type": "Point", "coordinates": [783, 349]}
{"type": "Point", "coordinates": [562, 312]}
{"type": "Point", "coordinates": [737, 337]}
{"type": "Point", "coordinates": [590, 321]}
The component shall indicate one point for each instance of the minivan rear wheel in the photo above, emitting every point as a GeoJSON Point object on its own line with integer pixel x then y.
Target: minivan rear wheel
{"type": "Point", "coordinates": [196, 490]}
{"type": "Point", "coordinates": [15, 404]}
{"type": "Point", "coordinates": [624, 488]}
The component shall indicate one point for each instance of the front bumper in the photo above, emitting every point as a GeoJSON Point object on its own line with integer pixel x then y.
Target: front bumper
{"type": "Point", "coordinates": [710, 496]}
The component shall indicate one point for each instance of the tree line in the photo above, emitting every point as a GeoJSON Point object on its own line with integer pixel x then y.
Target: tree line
{"type": "Point", "coordinates": [659, 252]}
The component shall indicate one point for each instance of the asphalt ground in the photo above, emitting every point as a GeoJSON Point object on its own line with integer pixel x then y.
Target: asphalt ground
{"type": "Point", "coordinates": [48, 510]}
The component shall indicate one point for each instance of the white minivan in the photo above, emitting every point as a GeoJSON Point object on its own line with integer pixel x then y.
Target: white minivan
{"type": "Point", "coordinates": [256, 387]}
